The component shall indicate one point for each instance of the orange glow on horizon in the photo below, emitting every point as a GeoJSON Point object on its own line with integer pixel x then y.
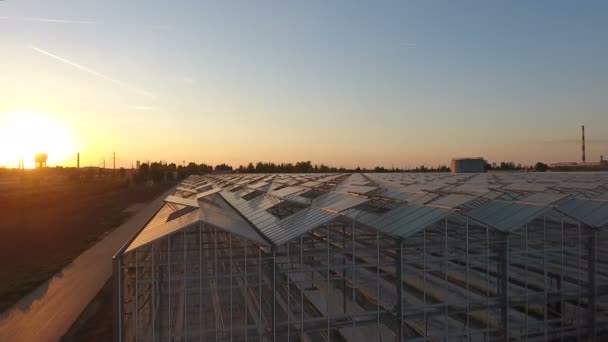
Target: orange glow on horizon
{"type": "Point", "coordinates": [22, 135]}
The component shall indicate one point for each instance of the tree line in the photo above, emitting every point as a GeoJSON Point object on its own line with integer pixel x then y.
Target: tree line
{"type": "Point", "coordinates": [162, 171]}
{"type": "Point", "coordinates": [510, 166]}
{"type": "Point", "coordinates": [298, 167]}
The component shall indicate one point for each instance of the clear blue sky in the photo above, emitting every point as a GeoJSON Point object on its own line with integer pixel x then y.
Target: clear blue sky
{"type": "Point", "coordinates": [342, 82]}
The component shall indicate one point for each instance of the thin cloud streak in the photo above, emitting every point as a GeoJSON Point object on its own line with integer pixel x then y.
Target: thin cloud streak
{"type": "Point", "coordinates": [160, 27]}
{"type": "Point", "coordinates": [187, 79]}
{"type": "Point", "coordinates": [85, 22]}
{"type": "Point", "coordinates": [92, 72]}
{"type": "Point", "coordinates": [141, 108]}
{"type": "Point", "coordinates": [46, 20]}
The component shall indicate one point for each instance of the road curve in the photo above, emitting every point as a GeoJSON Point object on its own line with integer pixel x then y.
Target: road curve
{"type": "Point", "coordinates": [48, 312]}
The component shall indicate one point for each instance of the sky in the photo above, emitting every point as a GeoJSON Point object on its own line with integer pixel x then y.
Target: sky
{"type": "Point", "coordinates": [346, 83]}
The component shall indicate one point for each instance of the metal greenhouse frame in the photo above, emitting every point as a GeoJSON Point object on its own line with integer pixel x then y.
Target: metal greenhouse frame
{"type": "Point", "coordinates": [370, 257]}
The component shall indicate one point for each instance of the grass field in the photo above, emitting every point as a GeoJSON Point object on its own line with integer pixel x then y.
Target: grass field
{"type": "Point", "coordinates": [45, 225]}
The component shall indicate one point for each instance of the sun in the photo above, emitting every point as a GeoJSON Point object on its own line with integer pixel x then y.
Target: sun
{"type": "Point", "coordinates": [22, 135]}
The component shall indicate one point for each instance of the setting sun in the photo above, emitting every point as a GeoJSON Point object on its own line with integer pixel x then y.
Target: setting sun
{"type": "Point", "coordinates": [22, 135]}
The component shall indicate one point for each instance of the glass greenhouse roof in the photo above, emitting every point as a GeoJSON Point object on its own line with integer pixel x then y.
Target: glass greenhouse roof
{"type": "Point", "coordinates": [275, 208]}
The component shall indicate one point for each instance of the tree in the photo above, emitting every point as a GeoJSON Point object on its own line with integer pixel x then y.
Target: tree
{"type": "Point", "coordinates": [304, 167]}
{"type": "Point", "coordinates": [204, 168]}
{"type": "Point", "coordinates": [223, 168]}
{"type": "Point", "coordinates": [541, 167]}
{"type": "Point", "coordinates": [142, 173]}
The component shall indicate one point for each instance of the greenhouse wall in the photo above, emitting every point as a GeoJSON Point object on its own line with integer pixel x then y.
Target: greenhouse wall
{"type": "Point", "coordinates": [454, 280]}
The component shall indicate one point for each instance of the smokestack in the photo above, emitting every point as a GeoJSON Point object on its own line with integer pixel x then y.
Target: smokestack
{"type": "Point", "coordinates": [583, 144]}
{"type": "Point", "coordinates": [78, 161]}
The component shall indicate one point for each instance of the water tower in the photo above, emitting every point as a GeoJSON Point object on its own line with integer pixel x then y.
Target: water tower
{"type": "Point", "coordinates": [40, 160]}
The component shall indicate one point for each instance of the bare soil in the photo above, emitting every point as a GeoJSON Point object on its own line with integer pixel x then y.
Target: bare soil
{"type": "Point", "coordinates": [95, 323]}
{"type": "Point", "coordinates": [44, 225]}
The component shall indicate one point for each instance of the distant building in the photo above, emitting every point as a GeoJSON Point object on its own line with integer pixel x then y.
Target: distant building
{"type": "Point", "coordinates": [468, 165]}
{"type": "Point", "coordinates": [137, 165]}
{"type": "Point", "coordinates": [602, 165]}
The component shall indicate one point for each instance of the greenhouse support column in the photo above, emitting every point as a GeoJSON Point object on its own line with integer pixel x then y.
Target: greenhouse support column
{"type": "Point", "coordinates": [503, 253]}
{"type": "Point", "coordinates": [328, 301]}
{"type": "Point", "coordinates": [288, 292]}
{"type": "Point", "coordinates": [246, 302]}
{"type": "Point", "coordinates": [215, 281]}
{"type": "Point", "coordinates": [274, 294]}
{"type": "Point", "coordinates": [545, 314]}
{"type": "Point", "coordinates": [579, 279]}
{"type": "Point", "coordinates": [260, 293]}
{"type": "Point", "coordinates": [154, 293]}
{"type": "Point", "coordinates": [466, 277]}
{"type": "Point", "coordinates": [378, 285]}
{"type": "Point", "coordinates": [446, 282]}
{"type": "Point", "coordinates": [169, 284]}
{"type": "Point", "coordinates": [185, 286]}
{"type": "Point", "coordinates": [200, 275]}
{"type": "Point", "coordinates": [592, 284]}
{"type": "Point", "coordinates": [231, 281]}
{"type": "Point", "coordinates": [426, 329]}
{"type": "Point", "coordinates": [561, 279]}
{"type": "Point", "coordinates": [526, 282]}
{"type": "Point", "coordinates": [487, 283]}
{"type": "Point", "coordinates": [302, 286]}
{"type": "Point", "coordinates": [343, 270]}
{"type": "Point", "coordinates": [399, 269]}
{"type": "Point", "coordinates": [135, 302]}
{"type": "Point", "coordinates": [354, 284]}
{"type": "Point", "coordinates": [117, 321]}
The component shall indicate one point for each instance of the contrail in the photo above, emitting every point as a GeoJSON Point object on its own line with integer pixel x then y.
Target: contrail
{"type": "Point", "coordinates": [86, 22]}
{"type": "Point", "coordinates": [142, 108]}
{"type": "Point", "coordinates": [159, 27]}
{"type": "Point", "coordinates": [83, 22]}
{"type": "Point", "coordinates": [93, 72]}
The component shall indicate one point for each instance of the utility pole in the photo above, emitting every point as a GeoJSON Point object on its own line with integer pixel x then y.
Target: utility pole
{"type": "Point", "coordinates": [78, 160]}
{"type": "Point", "coordinates": [114, 157]}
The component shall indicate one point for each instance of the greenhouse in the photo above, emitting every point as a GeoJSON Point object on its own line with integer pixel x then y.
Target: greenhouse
{"type": "Point", "coordinates": [370, 257]}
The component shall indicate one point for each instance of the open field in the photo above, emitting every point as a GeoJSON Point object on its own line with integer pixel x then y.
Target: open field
{"type": "Point", "coordinates": [44, 226]}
